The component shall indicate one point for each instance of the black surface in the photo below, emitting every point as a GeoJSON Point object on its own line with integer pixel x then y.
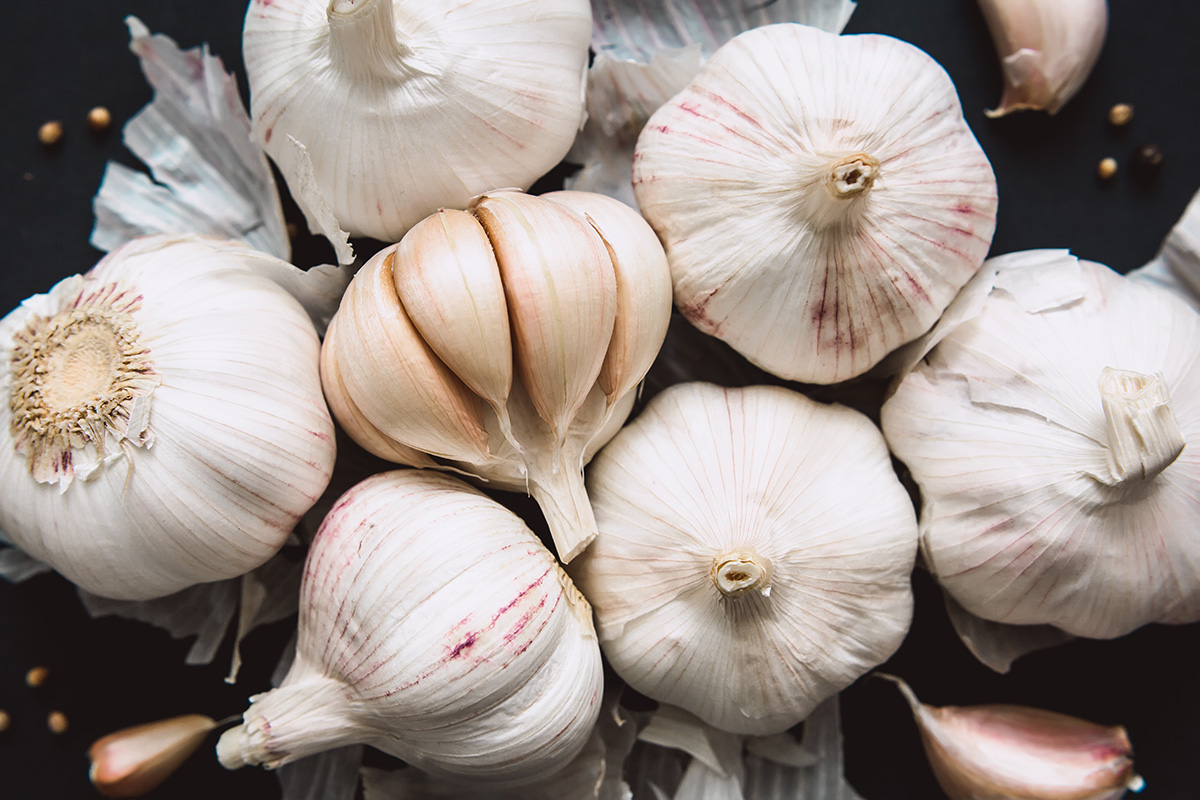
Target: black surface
{"type": "Point", "coordinates": [60, 59]}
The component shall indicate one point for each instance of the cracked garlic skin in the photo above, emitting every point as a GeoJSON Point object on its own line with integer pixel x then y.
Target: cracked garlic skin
{"type": "Point", "coordinates": [821, 198]}
{"type": "Point", "coordinates": [163, 423]}
{"type": "Point", "coordinates": [407, 106]}
{"type": "Point", "coordinates": [506, 342]}
{"type": "Point", "coordinates": [754, 554]}
{"type": "Point", "coordinates": [436, 627]}
{"type": "Point", "coordinates": [1054, 440]}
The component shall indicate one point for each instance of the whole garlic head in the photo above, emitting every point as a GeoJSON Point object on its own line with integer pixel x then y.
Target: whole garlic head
{"type": "Point", "coordinates": [820, 198]}
{"type": "Point", "coordinates": [1053, 436]}
{"type": "Point", "coordinates": [436, 627]}
{"type": "Point", "coordinates": [163, 423]}
{"type": "Point", "coordinates": [754, 553]}
{"type": "Point", "coordinates": [506, 341]}
{"type": "Point", "coordinates": [407, 106]}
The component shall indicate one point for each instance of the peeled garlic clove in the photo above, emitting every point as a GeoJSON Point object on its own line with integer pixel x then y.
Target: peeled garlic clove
{"type": "Point", "coordinates": [436, 627]}
{"type": "Point", "coordinates": [406, 106]}
{"type": "Point", "coordinates": [1004, 752]}
{"type": "Point", "coordinates": [1047, 49]}
{"type": "Point", "coordinates": [133, 761]}
{"type": "Point", "coordinates": [820, 198]}
{"type": "Point", "coordinates": [750, 533]}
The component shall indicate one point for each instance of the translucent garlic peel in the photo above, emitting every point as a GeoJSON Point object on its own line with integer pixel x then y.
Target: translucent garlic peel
{"type": "Point", "coordinates": [406, 107]}
{"type": "Point", "coordinates": [1047, 49]}
{"type": "Point", "coordinates": [790, 197]}
{"type": "Point", "coordinates": [210, 450]}
{"type": "Point", "coordinates": [762, 473]}
{"type": "Point", "coordinates": [435, 627]}
{"type": "Point", "coordinates": [1004, 428]}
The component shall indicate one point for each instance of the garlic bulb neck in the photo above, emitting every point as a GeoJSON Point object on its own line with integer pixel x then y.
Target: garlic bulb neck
{"type": "Point", "coordinates": [735, 574]}
{"type": "Point", "coordinates": [291, 722]}
{"type": "Point", "coordinates": [834, 187]}
{"type": "Point", "coordinates": [363, 39]}
{"type": "Point", "coordinates": [1144, 437]}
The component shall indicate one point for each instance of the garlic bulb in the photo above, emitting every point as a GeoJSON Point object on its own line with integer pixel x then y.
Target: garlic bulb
{"type": "Point", "coordinates": [754, 553]}
{"type": "Point", "coordinates": [820, 198]}
{"type": "Point", "coordinates": [506, 341]}
{"type": "Point", "coordinates": [163, 423]}
{"type": "Point", "coordinates": [436, 627]}
{"type": "Point", "coordinates": [1053, 438]}
{"type": "Point", "coordinates": [1047, 49]}
{"type": "Point", "coordinates": [405, 107]}
{"type": "Point", "coordinates": [1003, 752]}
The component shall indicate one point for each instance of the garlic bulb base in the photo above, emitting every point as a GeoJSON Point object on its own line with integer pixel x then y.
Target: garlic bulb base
{"type": "Point", "coordinates": [852, 175]}
{"type": "Point", "coordinates": [735, 574]}
{"type": "Point", "coordinates": [291, 722]}
{"type": "Point", "coordinates": [1143, 434]}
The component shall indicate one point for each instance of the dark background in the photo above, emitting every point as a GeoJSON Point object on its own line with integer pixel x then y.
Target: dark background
{"type": "Point", "coordinates": [60, 59]}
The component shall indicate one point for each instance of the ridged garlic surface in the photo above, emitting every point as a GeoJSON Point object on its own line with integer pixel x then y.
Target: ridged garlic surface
{"type": "Point", "coordinates": [505, 341]}
{"type": "Point", "coordinates": [821, 198]}
{"type": "Point", "coordinates": [754, 554]}
{"type": "Point", "coordinates": [1053, 436]}
{"type": "Point", "coordinates": [436, 627]}
{"type": "Point", "coordinates": [405, 106]}
{"type": "Point", "coordinates": [163, 423]}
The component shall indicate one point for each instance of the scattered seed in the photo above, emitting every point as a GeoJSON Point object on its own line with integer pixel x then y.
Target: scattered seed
{"type": "Point", "coordinates": [28, 176]}
{"type": "Point", "coordinates": [1147, 162]}
{"type": "Point", "coordinates": [1120, 114]}
{"type": "Point", "coordinates": [56, 721]}
{"type": "Point", "coordinates": [1106, 169]}
{"type": "Point", "coordinates": [293, 230]}
{"type": "Point", "coordinates": [98, 119]}
{"type": "Point", "coordinates": [50, 133]}
{"type": "Point", "coordinates": [5, 721]}
{"type": "Point", "coordinates": [36, 677]}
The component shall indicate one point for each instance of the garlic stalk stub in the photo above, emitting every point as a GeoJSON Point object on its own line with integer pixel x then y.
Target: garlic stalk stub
{"type": "Point", "coordinates": [163, 420]}
{"type": "Point", "coordinates": [1053, 437]}
{"type": "Point", "coordinates": [754, 553]}
{"type": "Point", "coordinates": [505, 342]}
{"type": "Point", "coordinates": [1004, 752]}
{"type": "Point", "coordinates": [821, 198]}
{"type": "Point", "coordinates": [436, 627]}
{"type": "Point", "coordinates": [405, 107]}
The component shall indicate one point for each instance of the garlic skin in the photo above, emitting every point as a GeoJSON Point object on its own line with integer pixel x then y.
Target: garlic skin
{"type": "Point", "coordinates": [405, 107]}
{"type": "Point", "coordinates": [504, 342]}
{"type": "Point", "coordinates": [1004, 752]}
{"type": "Point", "coordinates": [163, 424]}
{"type": "Point", "coordinates": [823, 185]}
{"type": "Point", "coordinates": [1052, 436]}
{"type": "Point", "coordinates": [436, 627]}
{"type": "Point", "coordinates": [1047, 49]}
{"type": "Point", "coordinates": [754, 553]}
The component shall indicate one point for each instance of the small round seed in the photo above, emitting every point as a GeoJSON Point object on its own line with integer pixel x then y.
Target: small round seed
{"type": "Point", "coordinates": [5, 721]}
{"type": "Point", "coordinates": [57, 722]}
{"type": "Point", "coordinates": [50, 133]}
{"type": "Point", "coordinates": [36, 677]}
{"type": "Point", "coordinates": [293, 230]}
{"type": "Point", "coordinates": [1147, 163]}
{"type": "Point", "coordinates": [1120, 114]}
{"type": "Point", "coordinates": [98, 119]}
{"type": "Point", "coordinates": [1106, 169]}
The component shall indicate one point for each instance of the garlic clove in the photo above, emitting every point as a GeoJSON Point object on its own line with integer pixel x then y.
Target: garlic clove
{"type": "Point", "coordinates": [1047, 49]}
{"type": "Point", "coordinates": [448, 280]}
{"type": "Point", "coordinates": [133, 761]}
{"type": "Point", "coordinates": [562, 299]}
{"type": "Point", "coordinates": [643, 288]}
{"type": "Point", "coordinates": [1004, 752]}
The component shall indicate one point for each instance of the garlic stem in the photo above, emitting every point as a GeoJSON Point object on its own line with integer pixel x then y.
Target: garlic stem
{"type": "Point", "coordinates": [291, 722]}
{"type": "Point", "coordinates": [363, 38]}
{"type": "Point", "coordinates": [564, 502]}
{"type": "Point", "coordinates": [735, 574]}
{"type": "Point", "coordinates": [852, 175]}
{"type": "Point", "coordinates": [1143, 435]}
{"type": "Point", "coordinates": [831, 189]}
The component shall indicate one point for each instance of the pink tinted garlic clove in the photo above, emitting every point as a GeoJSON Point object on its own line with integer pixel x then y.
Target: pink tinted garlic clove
{"type": "Point", "coordinates": [133, 761]}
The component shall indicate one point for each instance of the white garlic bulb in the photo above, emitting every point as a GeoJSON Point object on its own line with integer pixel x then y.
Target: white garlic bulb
{"type": "Point", "coordinates": [1053, 436]}
{"type": "Point", "coordinates": [507, 341]}
{"type": "Point", "coordinates": [163, 423]}
{"type": "Point", "coordinates": [436, 627]}
{"type": "Point", "coordinates": [405, 106]}
{"type": "Point", "coordinates": [820, 198]}
{"type": "Point", "coordinates": [754, 554]}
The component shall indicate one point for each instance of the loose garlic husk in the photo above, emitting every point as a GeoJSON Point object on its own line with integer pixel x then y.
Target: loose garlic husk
{"type": "Point", "coordinates": [132, 761]}
{"type": "Point", "coordinates": [1047, 49]}
{"type": "Point", "coordinates": [507, 341]}
{"type": "Point", "coordinates": [754, 553]}
{"type": "Point", "coordinates": [436, 627]}
{"type": "Point", "coordinates": [820, 198]}
{"type": "Point", "coordinates": [1004, 752]}
{"type": "Point", "coordinates": [163, 422]}
{"type": "Point", "coordinates": [405, 106]}
{"type": "Point", "coordinates": [1053, 436]}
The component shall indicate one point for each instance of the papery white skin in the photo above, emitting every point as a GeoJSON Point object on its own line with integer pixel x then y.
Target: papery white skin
{"type": "Point", "coordinates": [437, 628]}
{"type": "Point", "coordinates": [1177, 265]}
{"type": "Point", "coordinates": [1047, 49]}
{"type": "Point", "coordinates": [803, 492]}
{"type": "Point", "coordinates": [997, 645]}
{"type": "Point", "coordinates": [734, 173]}
{"type": "Point", "coordinates": [229, 444]}
{"type": "Point", "coordinates": [1003, 429]}
{"type": "Point", "coordinates": [405, 107]}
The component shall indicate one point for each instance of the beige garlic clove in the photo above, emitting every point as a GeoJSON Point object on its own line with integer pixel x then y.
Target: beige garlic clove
{"type": "Point", "coordinates": [1006, 752]}
{"type": "Point", "coordinates": [1047, 49]}
{"type": "Point", "coordinates": [133, 761]}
